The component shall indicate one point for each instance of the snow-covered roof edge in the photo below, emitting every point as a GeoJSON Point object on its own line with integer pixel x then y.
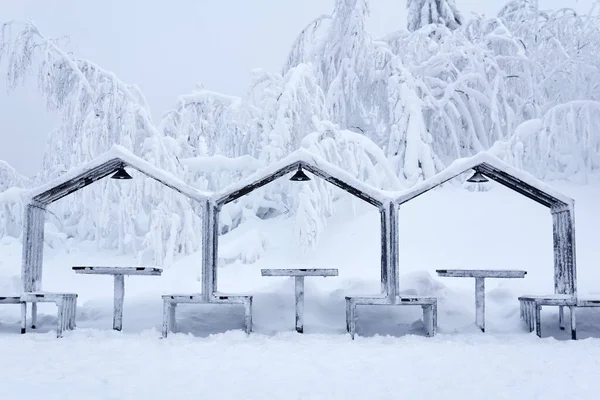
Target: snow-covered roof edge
{"type": "Point", "coordinates": [127, 157]}
{"type": "Point", "coordinates": [464, 164]}
{"type": "Point", "coordinates": [303, 157]}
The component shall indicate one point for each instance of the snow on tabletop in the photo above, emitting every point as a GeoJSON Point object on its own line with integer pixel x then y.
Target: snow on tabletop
{"type": "Point", "coordinates": [303, 156]}
{"type": "Point", "coordinates": [464, 164]}
{"type": "Point", "coordinates": [120, 153]}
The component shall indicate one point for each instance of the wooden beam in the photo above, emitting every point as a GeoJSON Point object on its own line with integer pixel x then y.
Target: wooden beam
{"type": "Point", "coordinates": [79, 182]}
{"type": "Point", "coordinates": [229, 197]}
{"type": "Point", "coordinates": [563, 227]}
{"type": "Point", "coordinates": [33, 247]}
{"type": "Point", "coordinates": [342, 185]}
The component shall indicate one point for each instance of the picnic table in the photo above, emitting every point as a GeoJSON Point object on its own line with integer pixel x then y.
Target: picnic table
{"type": "Point", "coordinates": [299, 274]}
{"type": "Point", "coordinates": [480, 275]}
{"type": "Point", "coordinates": [119, 284]}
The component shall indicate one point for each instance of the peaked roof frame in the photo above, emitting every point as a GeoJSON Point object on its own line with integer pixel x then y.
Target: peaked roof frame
{"type": "Point", "coordinates": [102, 166]}
{"type": "Point", "coordinates": [561, 206]}
{"type": "Point", "coordinates": [39, 198]}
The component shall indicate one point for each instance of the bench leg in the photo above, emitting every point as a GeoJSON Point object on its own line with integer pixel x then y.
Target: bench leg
{"type": "Point", "coordinates": [299, 292]}
{"type": "Point", "coordinates": [573, 328]}
{"type": "Point", "coordinates": [33, 315]}
{"type": "Point", "coordinates": [172, 317]}
{"type": "Point", "coordinates": [434, 319]}
{"type": "Point", "coordinates": [23, 317]}
{"type": "Point", "coordinates": [538, 320]}
{"type": "Point", "coordinates": [561, 318]}
{"type": "Point", "coordinates": [118, 302]}
{"type": "Point", "coordinates": [248, 314]}
{"type": "Point", "coordinates": [74, 321]}
{"type": "Point", "coordinates": [61, 315]}
{"type": "Point", "coordinates": [351, 317]}
{"type": "Point", "coordinates": [480, 303]}
{"type": "Point", "coordinates": [166, 322]}
{"type": "Point", "coordinates": [428, 319]}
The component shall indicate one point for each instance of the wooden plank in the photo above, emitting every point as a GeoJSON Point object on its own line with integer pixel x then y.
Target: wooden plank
{"type": "Point", "coordinates": [10, 299]}
{"type": "Point", "coordinates": [101, 270]}
{"type": "Point", "coordinates": [33, 247]}
{"type": "Point", "coordinates": [299, 272]}
{"type": "Point", "coordinates": [588, 302]}
{"type": "Point", "coordinates": [517, 185]}
{"type": "Point", "coordinates": [551, 300]}
{"type": "Point", "coordinates": [119, 295]}
{"type": "Point", "coordinates": [480, 273]}
{"type": "Point", "coordinates": [234, 195]}
{"type": "Point", "coordinates": [78, 182]}
{"type": "Point", "coordinates": [565, 281]}
{"type": "Point", "coordinates": [299, 301]}
{"type": "Point", "coordinates": [480, 303]}
{"type": "Point", "coordinates": [341, 184]}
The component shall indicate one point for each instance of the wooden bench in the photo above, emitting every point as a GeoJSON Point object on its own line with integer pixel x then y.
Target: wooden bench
{"type": "Point", "coordinates": [429, 305]}
{"type": "Point", "coordinates": [14, 300]}
{"type": "Point", "coordinates": [67, 308]}
{"type": "Point", "coordinates": [531, 309]}
{"type": "Point", "coordinates": [170, 302]}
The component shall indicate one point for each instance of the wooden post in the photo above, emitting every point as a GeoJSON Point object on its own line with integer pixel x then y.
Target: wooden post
{"type": "Point", "coordinates": [573, 328]}
{"type": "Point", "coordinates": [384, 249]}
{"type": "Point", "coordinates": [210, 239]}
{"type": "Point", "coordinates": [172, 316]}
{"type": "Point", "coordinates": [480, 303]}
{"type": "Point", "coordinates": [33, 247]}
{"type": "Point", "coordinates": [563, 227]}
{"type": "Point", "coordinates": [299, 283]}
{"type": "Point", "coordinates": [394, 256]}
{"type": "Point", "coordinates": [389, 250]}
{"type": "Point", "coordinates": [166, 322]}
{"type": "Point", "coordinates": [248, 314]}
{"type": "Point", "coordinates": [538, 319]}
{"type": "Point", "coordinates": [119, 286]}
{"type": "Point", "coordinates": [23, 317]}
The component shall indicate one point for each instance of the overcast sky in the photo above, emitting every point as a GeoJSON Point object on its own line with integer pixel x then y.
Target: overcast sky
{"type": "Point", "coordinates": [166, 47]}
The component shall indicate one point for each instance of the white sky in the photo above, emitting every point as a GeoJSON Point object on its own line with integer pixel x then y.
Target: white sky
{"type": "Point", "coordinates": [167, 47]}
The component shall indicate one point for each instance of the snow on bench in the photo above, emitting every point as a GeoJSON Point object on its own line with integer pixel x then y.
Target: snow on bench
{"type": "Point", "coordinates": [65, 302]}
{"type": "Point", "coordinates": [429, 305]}
{"type": "Point", "coordinates": [531, 309]}
{"type": "Point", "coordinates": [299, 274]}
{"type": "Point", "coordinates": [170, 302]}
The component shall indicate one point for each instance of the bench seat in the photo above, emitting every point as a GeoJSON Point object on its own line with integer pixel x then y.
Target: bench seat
{"type": "Point", "coordinates": [170, 302]}
{"type": "Point", "coordinates": [429, 305]}
{"type": "Point", "coordinates": [10, 299]}
{"type": "Point", "coordinates": [67, 309]}
{"type": "Point", "coordinates": [531, 308]}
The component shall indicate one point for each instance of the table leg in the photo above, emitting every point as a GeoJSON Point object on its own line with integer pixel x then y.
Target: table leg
{"type": "Point", "coordinates": [299, 303]}
{"type": "Point", "coordinates": [119, 294]}
{"type": "Point", "coordinates": [480, 303]}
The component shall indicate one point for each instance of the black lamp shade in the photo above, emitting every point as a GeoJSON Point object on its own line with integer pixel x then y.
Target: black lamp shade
{"type": "Point", "coordinates": [121, 174]}
{"type": "Point", "coordinates": [477, 177]}
{"type": "Point", "coordinates": [299, 176]}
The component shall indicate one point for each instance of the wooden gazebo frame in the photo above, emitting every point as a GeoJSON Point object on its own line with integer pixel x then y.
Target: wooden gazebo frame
{"type": "Point", "coordinates": [320, 168]}
{"type": "Point", "coordinates": [38, 199]}
{"type": "Point", "coordinates": [562, 209]}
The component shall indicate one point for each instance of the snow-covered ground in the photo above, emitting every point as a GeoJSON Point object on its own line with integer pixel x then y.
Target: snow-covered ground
{"type": "Point", "coordinates": [212, 357]}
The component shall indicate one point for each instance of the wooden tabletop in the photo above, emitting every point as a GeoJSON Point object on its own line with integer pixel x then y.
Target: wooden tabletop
{"type": "Point", "coordinates": [100, 270]}
{"type": "Point", "coordinates": [481, 273]}
{"type": "Point", "coordinates": [300, 272]}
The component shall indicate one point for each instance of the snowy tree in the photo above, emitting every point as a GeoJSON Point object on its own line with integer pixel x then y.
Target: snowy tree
{"type": "Point", "coordinates": [440, 12]}
{"type": "Point", "coordinates": [98, 110]}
